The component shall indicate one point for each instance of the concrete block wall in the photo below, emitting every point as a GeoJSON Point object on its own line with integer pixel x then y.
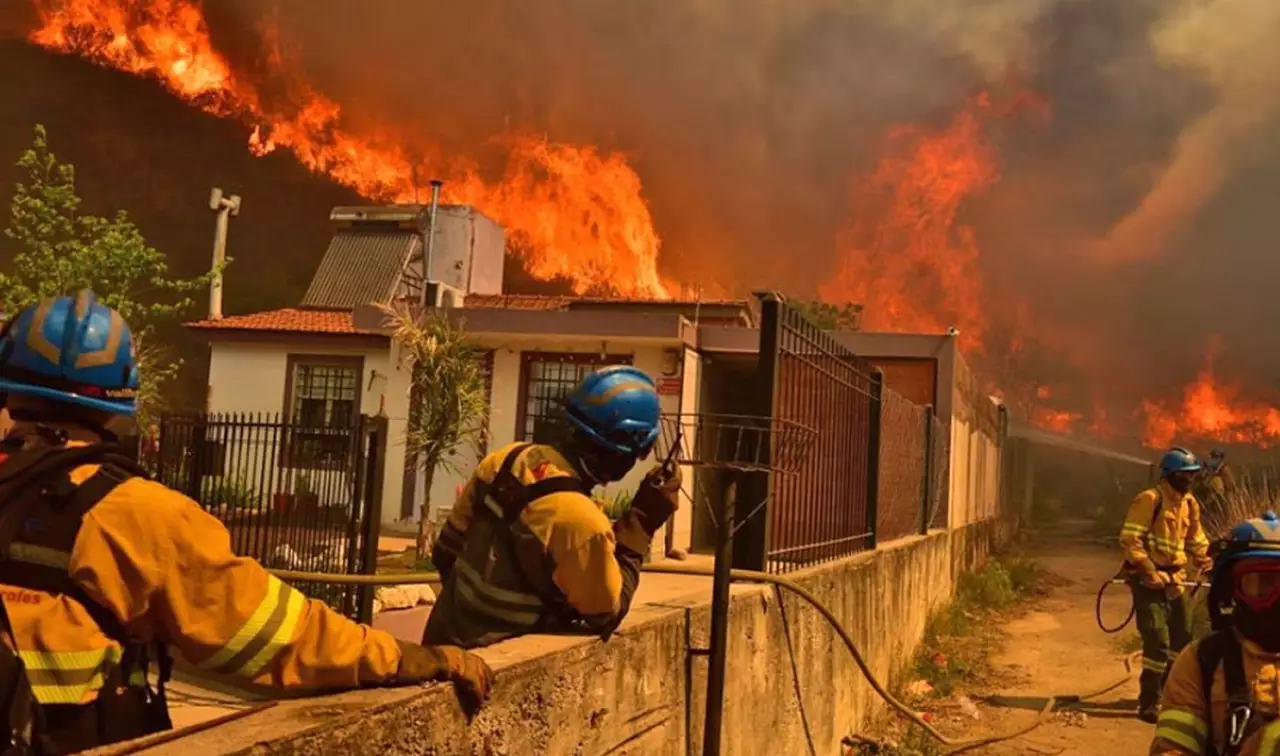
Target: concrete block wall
{"type": "Point", "coordinates": [642, 692]}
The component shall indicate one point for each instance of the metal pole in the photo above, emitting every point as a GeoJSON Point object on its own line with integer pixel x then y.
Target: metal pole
{"type": "Point", "coordinates": [719, 623]}
{"type": "Point", "coordinates": [928, 470]}
{"type": "Point", "coordinates": [431, 238]}
{"type": "Point", "coordinates": [224, 207]}
{"type": "Point", "coordinates": [873, 455]}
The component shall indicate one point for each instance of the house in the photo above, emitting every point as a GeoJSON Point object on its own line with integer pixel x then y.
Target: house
{"type": "Point", "coordinates": [331, 359]}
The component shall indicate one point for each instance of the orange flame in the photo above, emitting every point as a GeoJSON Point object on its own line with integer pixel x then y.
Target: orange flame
{"type": "Point", "coordinates": [1058, 421]}
{"type": "Point", "coordinates": [906, 257]}
{"type": "Point", "coordinates": [572, 211]}
{"type": "Point", "coordinates": [1211, 410]}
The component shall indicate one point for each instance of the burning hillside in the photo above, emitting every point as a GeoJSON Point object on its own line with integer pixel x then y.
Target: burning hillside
{"type": "Point", "coordinates": [772, 144]}
{"type": "Point", "coordinates": [609, 245]}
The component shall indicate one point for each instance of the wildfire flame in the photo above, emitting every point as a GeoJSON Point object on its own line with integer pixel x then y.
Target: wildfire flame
{"type": "Point", "coordinates": [578, 213]}
{"type": "Point", "coordinates": [1211, 409]}
{"type": "Point", "coordinates": [906, 256]}
{"type": "Point", "coordinates": [573, 212]}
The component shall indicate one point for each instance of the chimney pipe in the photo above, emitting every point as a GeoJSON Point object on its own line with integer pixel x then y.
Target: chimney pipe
{"type": "Point", "coordinates": [436, 184]}
{"type": "Point", "coordinates": [226, 207]}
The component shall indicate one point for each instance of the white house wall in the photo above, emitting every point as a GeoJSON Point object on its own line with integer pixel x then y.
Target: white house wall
{"type": "Point", "coordinates": [250, 378]}
{"type": "Point", "coordinates": [504, 410]}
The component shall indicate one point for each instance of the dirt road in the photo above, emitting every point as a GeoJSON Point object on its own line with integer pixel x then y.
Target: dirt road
{"type": "Point", "coordinates": [1057, 648]}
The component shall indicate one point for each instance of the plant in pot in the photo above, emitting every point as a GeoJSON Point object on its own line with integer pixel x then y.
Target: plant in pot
{"type": "Point", "coordinates": [308, 500]}
{"type": "Point", "coordinates": [282, 501]}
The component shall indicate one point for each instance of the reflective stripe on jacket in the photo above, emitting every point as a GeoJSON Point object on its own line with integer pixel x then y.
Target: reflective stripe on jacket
{"type": "Point", "coordinates": [1184, 726]}
{"type": "Point", "coordinates": [165, 569]}
{"type": "Point", "coordinates": [560, 563]}
{"type": "Point", "coordinates": [1161, 528]}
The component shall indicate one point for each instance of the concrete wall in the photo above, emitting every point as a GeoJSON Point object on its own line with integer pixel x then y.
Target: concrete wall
{"type": "Point", "coordinates": [975, 453]}
{"type": "Point", "coordinates": [642, 692]}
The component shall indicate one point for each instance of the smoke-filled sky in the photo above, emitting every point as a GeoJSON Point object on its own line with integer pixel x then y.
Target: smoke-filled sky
{"type": "Point", "coordinates": [1132, 226]}
{"type": "Point", "coordinates": [1136, 220]}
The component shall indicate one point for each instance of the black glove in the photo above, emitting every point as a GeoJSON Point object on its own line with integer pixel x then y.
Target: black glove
{"type": "Point", "coordinates": [657, 498]}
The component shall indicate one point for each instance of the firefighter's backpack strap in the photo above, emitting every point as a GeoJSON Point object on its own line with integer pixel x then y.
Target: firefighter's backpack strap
{"type": "Point", "coordinates": [1222, 650]}
{"type": "Point", "coordinates": [512, 496]}
{"type": "Point", "coordinates": [43, 490]}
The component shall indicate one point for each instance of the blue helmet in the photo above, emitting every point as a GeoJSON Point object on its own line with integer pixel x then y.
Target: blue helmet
{"type": "Point", "coordinates": [1178, 460]}
{"type": "Point", "coordinates": [1259, 537]}
{"type": "Point", "coordinates": [616, 408]}
{"type": "Point", "coordinates": [73, 350]}
{"type": "Point", "coordinates": [1251, 539]}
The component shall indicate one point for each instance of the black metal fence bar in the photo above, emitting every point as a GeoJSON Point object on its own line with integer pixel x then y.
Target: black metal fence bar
{"type": "Point", "coordinates": [826, 510]}
{"type": "Point", "coordinates": [292, 495]}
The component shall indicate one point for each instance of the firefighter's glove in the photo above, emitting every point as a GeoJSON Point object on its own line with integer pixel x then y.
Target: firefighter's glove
{"type": "Point", "coordinates": [470, 676]}
{"type": "Point", "coordinates": [1157, 579]}
{"type": "Point", "coordinates": [657, 498]}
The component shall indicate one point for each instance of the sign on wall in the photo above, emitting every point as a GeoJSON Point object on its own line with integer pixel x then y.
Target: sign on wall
{"type": "Point", "coordinates": [669, 386]}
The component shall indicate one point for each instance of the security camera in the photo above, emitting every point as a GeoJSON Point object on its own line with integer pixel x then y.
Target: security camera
{"type": "Point", "coordinates": [953, 331]}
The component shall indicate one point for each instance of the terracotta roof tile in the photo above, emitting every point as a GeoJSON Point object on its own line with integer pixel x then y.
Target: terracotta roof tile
{"type": "Point", "coordinates": [287, 320]}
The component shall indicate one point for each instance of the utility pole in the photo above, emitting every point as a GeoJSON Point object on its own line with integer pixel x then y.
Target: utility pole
{"type": "Point", "coordinates": [226, 208]}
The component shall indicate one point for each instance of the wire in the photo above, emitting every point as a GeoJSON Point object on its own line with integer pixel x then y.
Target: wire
{"type": "Point", "coordinates": [750, 576]}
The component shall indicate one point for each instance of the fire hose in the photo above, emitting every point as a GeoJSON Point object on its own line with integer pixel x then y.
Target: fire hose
{"type": "Point", "coordinates": [956, 746]}
{"type": "Point", "coordinates": [1133, 607]}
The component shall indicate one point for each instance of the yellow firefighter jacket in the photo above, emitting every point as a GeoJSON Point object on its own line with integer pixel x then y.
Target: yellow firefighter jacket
{"type": "Point", "coordinates": [1161, 529]}
{"type": "Point", "coordinates": [1184, 726]}
{"type": "Point", "coordinates": [164, 568]}
{"type": "Point", "coordinates": [548, 561]}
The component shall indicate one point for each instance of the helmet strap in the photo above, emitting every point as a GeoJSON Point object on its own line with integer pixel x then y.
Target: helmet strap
{"type": "Point", "coordinates": [48, 427]}
{"type": "Point", "coordinates": [598, 466]}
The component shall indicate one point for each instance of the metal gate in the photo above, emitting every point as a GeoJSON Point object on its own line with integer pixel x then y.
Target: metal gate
{"type": "Point", "coordinates": [827, 510]}
{"type": "Point", "coordinates": [292, 496]}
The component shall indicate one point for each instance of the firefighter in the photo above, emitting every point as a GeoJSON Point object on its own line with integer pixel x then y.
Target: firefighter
{"type": "Point", "coordinates": [104, 569]}
{"type": "Point", "coordinates": [1221, 697]}
{"type": "Point", "coordinates": [1218, 478]}
{"type": "Point", "coordinates": [1161, 529]}
{"type": "Point", "coordinates": [526, 550]}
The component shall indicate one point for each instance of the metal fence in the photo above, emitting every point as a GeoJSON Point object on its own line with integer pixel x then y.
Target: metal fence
{"type": "Point", "coordinates": [937, 472]}
{"type": "Point", "coordinates": [828, 509]}
{"type": "Point", "coordinates": [293, 496]}
{"type": "Point", "coordinates": [904, 457]}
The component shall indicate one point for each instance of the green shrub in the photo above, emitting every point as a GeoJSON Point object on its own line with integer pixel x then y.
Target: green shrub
{"type": "Point", "coordinates": [616, 507]}
{"type": "Point", "coordinates": [234, 493]}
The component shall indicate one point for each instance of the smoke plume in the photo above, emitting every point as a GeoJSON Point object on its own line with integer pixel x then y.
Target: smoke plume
{"type": "Point", "coordinates": [1106, 244]}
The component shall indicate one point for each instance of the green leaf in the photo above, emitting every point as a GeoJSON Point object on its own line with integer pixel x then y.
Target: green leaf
{"type": "Point", "coordinates": [61, 250]}
{"type": "Point", "coordinates": [450, 404]}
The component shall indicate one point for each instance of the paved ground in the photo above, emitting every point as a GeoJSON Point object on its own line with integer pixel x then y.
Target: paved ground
{"type": "Point", "coordinates": [1057, 648]}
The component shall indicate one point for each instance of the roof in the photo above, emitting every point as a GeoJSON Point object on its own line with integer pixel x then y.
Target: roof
{"type": "Point", "coordinates": [288, 320]}
{"type": "Point", "coordinates": [705, 309]}
{"type": "Point", "coordinates": [360, 266]}
{"type": "Point", "coordinates": [553, 302]}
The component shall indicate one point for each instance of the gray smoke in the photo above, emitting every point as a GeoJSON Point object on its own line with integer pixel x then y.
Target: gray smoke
{"type": "Point", "coordinates": [1130, 229]}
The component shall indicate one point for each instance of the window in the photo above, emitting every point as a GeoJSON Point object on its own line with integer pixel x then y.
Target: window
{"type": "Point", "coordinates": [322, 402]}
{"type": "Point", "coordinates": [545, 380]}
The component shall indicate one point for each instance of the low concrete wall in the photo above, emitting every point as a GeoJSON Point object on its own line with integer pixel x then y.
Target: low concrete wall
{"type": "Point", "coordinates": [642, 692]}
{"type": "Point", "coordinates": [972, 544]}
